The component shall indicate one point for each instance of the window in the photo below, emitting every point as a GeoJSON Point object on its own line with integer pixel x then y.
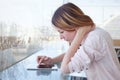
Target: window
{"type": "Point", "coordinates": [25, 28]}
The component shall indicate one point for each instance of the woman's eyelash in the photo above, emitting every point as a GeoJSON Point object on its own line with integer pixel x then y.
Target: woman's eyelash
{"type": "Point", "coordinates": [61, 32]}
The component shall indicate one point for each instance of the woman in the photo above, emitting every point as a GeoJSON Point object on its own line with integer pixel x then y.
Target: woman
{"type": "Point", "coordinates": [91, 48]}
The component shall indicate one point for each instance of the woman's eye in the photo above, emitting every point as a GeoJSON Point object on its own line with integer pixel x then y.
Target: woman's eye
{"type": "Point", "coordinates": [61, 32]}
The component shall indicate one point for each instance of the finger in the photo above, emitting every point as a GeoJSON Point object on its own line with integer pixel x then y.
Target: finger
{"type": "Point", "coordinates": [38, 58]}
{"type": "Point", "coordinates": [41, 60]}
{"type": "Point", "coordinates": [46, 58]}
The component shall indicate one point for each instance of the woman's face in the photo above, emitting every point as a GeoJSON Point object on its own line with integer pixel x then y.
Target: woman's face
{"type": "Point", "coordinates": [67, 35]}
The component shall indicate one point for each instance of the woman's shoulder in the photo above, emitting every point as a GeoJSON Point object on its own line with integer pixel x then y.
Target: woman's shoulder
{"type": "Point", "coordinates": [93, 35]}
{"type": "Point", "coordinates": [98, 34]}
{"type": "Point", "coordinates": [99, 31]}
{"type": "Point", "coordinates": [96, 37]}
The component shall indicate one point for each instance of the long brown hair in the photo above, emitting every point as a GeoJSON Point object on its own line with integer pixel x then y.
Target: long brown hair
{"type": "Point", "coordinates": [69, 16]}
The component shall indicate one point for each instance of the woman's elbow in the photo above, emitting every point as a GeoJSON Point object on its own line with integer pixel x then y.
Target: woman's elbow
{"type": "Point", "coordinates": [65, 70]}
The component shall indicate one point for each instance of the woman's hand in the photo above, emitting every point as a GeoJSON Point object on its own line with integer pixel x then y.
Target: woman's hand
{"type": "Point", "coordinates": [44, 59]}
{"type": "Point", "coordinates": [85, 30]}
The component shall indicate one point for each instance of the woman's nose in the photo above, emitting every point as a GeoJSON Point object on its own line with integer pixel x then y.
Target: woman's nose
{"type": "Point", "coordinates": [61, 37]}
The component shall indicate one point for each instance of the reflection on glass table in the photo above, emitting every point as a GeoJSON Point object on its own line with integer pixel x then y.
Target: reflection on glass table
{"type": "Point", "coordinates": [27, 70]}
{"type": "Point", "coordinates": [14, 49]}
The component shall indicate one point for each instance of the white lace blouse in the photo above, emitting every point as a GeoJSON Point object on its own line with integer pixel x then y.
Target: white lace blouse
{"type": "Point", "coordinates": [97, 57]}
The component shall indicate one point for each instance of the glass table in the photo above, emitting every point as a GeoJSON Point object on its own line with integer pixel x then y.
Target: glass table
{"type": "Point", "coordinates": [27, 70]}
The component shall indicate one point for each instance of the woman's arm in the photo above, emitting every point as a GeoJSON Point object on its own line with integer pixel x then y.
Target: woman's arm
{"type": "Point", "coordinates": [59, 58]}
{"type": "Point", "coordinates": [48, 60]}
{"type": "Point", "coordinates": [81, 32]}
